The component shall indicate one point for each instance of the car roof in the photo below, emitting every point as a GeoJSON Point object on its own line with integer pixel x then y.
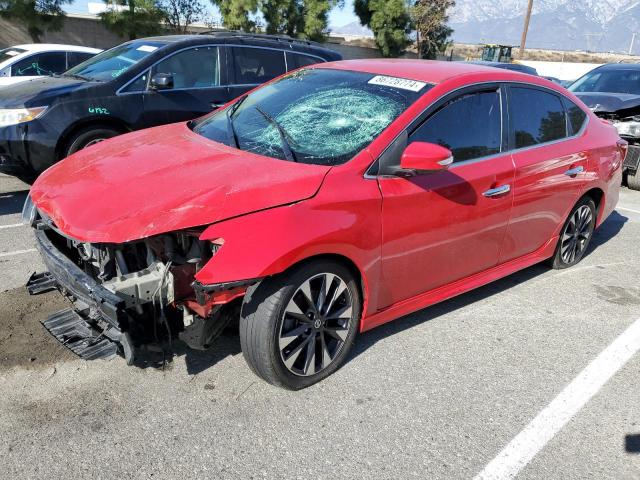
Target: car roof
{"type": "Point", "coordinates": [46, 47]}
{"type": "Point", "coordinates": [430, 71]}
{"type": "Point", "coordinates": [620, 66]}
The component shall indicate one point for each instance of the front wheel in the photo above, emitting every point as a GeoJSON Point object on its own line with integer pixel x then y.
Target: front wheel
{"type": "Point", "coordinates": [89, 136]}
{"type": "Point", "coordinates": [576, 234]}
{"type": "Point", "coordinates": [298, 327]}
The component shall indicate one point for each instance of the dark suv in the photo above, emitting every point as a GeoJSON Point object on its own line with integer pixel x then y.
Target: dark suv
{"type": "Point", "coordinates": [139, 84]}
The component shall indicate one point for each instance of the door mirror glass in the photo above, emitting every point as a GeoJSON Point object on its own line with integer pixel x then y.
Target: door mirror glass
{"type": "Point", "coordinates": [162, 81]}
{"type": "Point", "coordinates": [420, 157]}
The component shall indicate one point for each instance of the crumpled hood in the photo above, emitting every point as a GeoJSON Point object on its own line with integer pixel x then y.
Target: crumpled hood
{"type": "Point", "coordinates": [164, 179]}
{"type": "Point", "coordinates": [608, 102]}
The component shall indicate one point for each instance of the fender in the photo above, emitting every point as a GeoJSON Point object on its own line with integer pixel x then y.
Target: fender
{"type": "Point", "coordinates": [337, 221]}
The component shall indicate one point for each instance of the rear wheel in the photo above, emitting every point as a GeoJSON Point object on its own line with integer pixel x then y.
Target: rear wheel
{"type": "Point", "coordinates": [89, 136]}
{"type": "Point", "coordinates": [575, 235]}
{"type": "Point", "coordinates": [633, 180]}
{"type": "Point", "coordinates": [297, 328]}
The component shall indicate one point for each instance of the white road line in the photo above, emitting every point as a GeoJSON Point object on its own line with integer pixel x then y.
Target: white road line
{"type": "Point", "coordinates": [13, 225]}
{"type": "Point", "coordinates": [521, 450]}
{"type": "Point", "coordinates": [628, 209]}
{"type": "Point", "coordinates": [17, 252]}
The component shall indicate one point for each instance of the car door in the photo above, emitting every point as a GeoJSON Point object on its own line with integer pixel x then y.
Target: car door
{"type": "Point", "coordinates": [550, 166]}
{"type": "Point", "coordinates": [198, 86]}
{"type": "Point", "coordinates": [253, 66]}
{"type": "Point", "coordinates": [443, 226]}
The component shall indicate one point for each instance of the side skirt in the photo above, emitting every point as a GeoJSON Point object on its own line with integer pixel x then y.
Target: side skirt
{"type": "Point", "coordinates": [458, 287]}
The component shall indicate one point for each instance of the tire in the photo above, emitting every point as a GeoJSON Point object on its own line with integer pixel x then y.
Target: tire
{"type": "Point", "coordinates": [633, 180]}
{"type": "Point", "coordinates": [287, 341]}
{"type": "Point", "coordinates": [575, 235]}
{"type": "Point", "coordinates": [87, 137]}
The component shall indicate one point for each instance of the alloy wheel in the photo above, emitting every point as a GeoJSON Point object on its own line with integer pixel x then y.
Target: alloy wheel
{"type": "Point", "coordinates": [93, 142]}
{"type": "Point", "coordinates": [315, 324]}
{"type": "Point", "coordinates": [576, 234]}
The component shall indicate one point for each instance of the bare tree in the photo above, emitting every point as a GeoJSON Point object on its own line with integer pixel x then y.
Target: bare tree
{"type": "Point", "coordinates": [182, 13]}
{"type": "Point", "coordinates": [430, 20]}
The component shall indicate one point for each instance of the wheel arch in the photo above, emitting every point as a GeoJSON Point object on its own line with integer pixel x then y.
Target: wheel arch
{"type": "Point", "coordinates": [598, 197]}
{"type": "Point", "coordinates": [97, 122]}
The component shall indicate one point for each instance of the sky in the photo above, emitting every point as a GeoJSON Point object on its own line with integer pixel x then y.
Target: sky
{"type": "Point", "coordinates": [337, 18]}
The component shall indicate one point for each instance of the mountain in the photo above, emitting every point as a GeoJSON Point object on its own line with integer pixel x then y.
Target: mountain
{"type": "Point", "coordinates": [352, 28]}
{"type": "Point", "coordinates": [596, 25]}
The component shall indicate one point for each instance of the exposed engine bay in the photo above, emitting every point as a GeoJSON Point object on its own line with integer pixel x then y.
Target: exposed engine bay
{"type": "Point", "coordinates": [128, 295]}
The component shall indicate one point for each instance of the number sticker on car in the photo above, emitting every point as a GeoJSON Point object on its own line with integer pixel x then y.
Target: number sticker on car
{"type": "Point", "coordinates": [395, 82]}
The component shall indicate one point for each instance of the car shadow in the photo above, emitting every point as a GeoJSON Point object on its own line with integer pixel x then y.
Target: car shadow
{"type": "Point", "coordinates": [609, 229]}
{"type": "Point", "coordinates": [162, 356]}
{"type": "Point", "coordinates": [12, 202]}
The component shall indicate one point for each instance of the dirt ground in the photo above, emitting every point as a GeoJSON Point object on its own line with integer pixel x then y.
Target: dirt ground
{"type": "Point", "coordinates": [23, 339]}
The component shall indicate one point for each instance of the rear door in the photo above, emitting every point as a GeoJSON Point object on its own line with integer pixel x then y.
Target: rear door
{"type": "Point", "coordinates": [443, 226]}
{"type": "Point", "coordinates": [199, 86]}
{"type": "Point", "coordinates": [253, 66]}
{"type": "Point", "coordinates": [550, 166]}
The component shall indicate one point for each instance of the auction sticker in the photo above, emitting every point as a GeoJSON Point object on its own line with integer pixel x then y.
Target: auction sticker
{"type": "Point", "coordinates": [147, 48]}
{"type": "Point", "coordinates": [396, 82]}
{"type": "Point", "coordinates": [12, 53]}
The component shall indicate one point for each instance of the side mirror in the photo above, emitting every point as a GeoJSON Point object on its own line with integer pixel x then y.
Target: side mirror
{"type": "Point", "coordinates": [423, 157]}
{"type": "Point", "coordinates": [162, 81]}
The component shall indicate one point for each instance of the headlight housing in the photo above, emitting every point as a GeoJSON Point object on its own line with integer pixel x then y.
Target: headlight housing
{"type": "Point", "coordinates": [14, 116]}
{"type": "Point", "coordinates": [628, 129]}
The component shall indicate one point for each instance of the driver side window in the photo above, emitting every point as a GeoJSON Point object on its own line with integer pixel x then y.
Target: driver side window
{"type": "Point", "coordinates": [193, 68]}
{"type": "Point", "coordinates": [469, 125]}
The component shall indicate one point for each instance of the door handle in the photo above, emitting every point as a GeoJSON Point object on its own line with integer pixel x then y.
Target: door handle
{"type": "Point", "coordinates": [574, 171]}
{"type": "Point", "coordinates": [494, 192]}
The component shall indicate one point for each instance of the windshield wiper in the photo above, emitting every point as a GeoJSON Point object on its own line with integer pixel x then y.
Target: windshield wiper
{"type": "Point", "coordinates": [74, 75]}
{"type": "Point", "coordinates": [231, 132]}
{"type": "Point", "coordinates": [285, 138]}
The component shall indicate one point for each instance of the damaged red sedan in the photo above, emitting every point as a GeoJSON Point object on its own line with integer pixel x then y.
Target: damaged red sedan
{"type": "Point", "coordinates": [327, 202]}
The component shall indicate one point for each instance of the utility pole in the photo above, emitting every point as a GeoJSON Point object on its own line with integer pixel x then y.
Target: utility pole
{"type": "Point", "coordinates": [633, 39]}
{"type": "Point", "coordinates": [523, 39]}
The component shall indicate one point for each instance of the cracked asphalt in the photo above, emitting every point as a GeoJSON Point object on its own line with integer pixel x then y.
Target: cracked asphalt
{"type": "Point", "coordinates": [436, 394]}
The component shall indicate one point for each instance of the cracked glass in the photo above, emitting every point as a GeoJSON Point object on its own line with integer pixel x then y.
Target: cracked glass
{"type": "Point", "coordinates": [324, 116]}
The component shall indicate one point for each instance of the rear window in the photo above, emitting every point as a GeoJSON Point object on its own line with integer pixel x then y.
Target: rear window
{"type": "Point", "coordinates": [537, 116]}
{"type": "Point", "coordinates": [9, 53]}
{"type": "Point", "coordinates": [298, 60]}
{"type": "Point", "coordinates": [577, 117]}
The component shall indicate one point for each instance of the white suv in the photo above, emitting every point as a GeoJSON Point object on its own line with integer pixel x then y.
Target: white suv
{"type": "Point", "coordinates": [24, 62]}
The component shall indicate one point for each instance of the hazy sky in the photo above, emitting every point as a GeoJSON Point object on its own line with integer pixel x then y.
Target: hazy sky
{"type": "Point", "coordinates": [337, 18]}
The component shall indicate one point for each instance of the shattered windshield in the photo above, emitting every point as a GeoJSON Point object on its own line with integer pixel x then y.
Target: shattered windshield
{"type": "Point", "coordinates": [319, 116]}
{"type": "Point", "coordinates": [609, 81]}
{"type": "Point", "coordinates": [114, 62]}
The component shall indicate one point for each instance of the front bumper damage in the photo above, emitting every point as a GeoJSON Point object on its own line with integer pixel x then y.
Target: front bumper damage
{"type": "Point", "coordinates": [127, 296]}
{"type": "Point", "coordinates": [93, 327]}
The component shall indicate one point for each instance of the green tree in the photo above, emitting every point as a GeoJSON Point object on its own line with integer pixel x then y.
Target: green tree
{"type": "Point", "coordinates": [298, 18]}
{"type": "Point", "coordinates": [390, 22]}
{"type": "Point", "coordinates": [179, 14]}
{"type": "Point", "coordinates": [430, 20]}
{"type": "Point", "coordinates": [37, 16]}
{"type": "Point", "coordinates": [235, 14]}
{"type": "Point", "coordinates": [133, 18]}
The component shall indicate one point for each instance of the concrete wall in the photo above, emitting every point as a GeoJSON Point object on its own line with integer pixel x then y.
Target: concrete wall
{"type": "Point", "coordinates": [77, 30]}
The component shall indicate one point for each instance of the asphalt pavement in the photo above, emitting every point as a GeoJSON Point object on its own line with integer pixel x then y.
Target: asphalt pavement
{"type": "Point", "coordinates": [437, 394]}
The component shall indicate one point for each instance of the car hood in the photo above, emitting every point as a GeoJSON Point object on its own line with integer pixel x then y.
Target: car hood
{"type": "Point", "coordinates": [39, 91]}
{"type": "Point", "coordinates": [164, 179]}
{"type": "Point", "coordinates": [4, 81]}
{"type": "Point", "coordinates": [609, 102]}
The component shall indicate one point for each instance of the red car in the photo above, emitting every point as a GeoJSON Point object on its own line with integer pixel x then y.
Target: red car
{"type": "Point", "coordinates": [332, 200]}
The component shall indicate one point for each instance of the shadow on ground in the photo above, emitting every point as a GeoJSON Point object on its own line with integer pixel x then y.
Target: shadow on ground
{"type": "Point", "coordinates": [12, 202]}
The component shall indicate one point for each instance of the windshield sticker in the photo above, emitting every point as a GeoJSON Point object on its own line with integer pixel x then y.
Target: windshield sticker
{"type": "Point", "coordinates": [395, 82]}
{"type": "Point", "coordinates": [146, 48]}
{"type": "Point", "coordinates": [12, 53]}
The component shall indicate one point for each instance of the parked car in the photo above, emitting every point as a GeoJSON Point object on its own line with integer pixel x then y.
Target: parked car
{"type": "Point", "coordinates": [138, 84]}
{"type": "Point", "coordinates": [612, 91]}
{"type": "Point", "coordinates": [25, 62]}
{"type": "Point", "coordinates": [516, 67]}
{"type": "Point", "coordinates": [323, 204]}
